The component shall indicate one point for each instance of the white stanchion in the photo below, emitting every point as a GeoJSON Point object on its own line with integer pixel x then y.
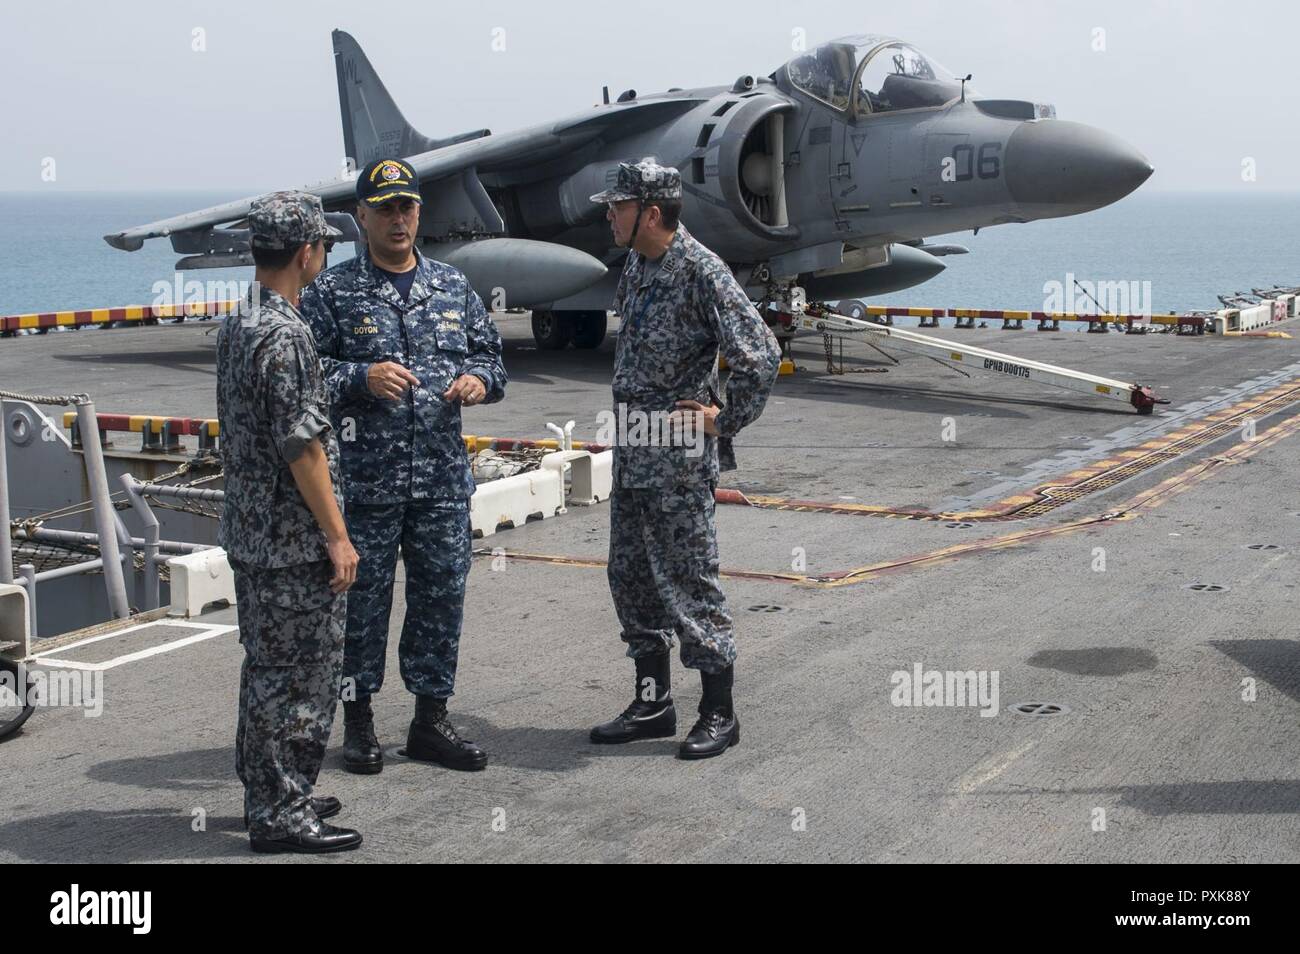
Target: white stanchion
{"type": "Point", "coordinates": [591, 478]}
{"type": "Point", "coordinates": [198, 579]}
{"type": "Point", "coordinates": [15, 621]}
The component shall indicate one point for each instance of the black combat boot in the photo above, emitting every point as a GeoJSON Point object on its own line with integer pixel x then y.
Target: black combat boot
{"type": "Point", "coordinates": [361, 752]}
{"type": "Point", "coordinates": [433, 738]}
{"type": "Point", "coordinates": [718, 727]}
{"type": "Point", "coordinates": [651, 714]}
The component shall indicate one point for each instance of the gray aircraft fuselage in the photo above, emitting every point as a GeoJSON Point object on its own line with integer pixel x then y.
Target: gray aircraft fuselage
{"type": "Point", "coordinates": [829, 174]}
{"type": "Point", "coordinates": [865, 180]}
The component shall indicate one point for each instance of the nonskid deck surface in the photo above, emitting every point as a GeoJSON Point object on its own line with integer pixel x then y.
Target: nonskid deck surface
{"type": "Point", "coordinates": [1085, 604]}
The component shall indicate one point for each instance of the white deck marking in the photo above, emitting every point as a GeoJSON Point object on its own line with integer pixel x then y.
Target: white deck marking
{"type": "Point", "coordinates": [992, 767]}
{"type": "Point", "coordinates": [205, 632]}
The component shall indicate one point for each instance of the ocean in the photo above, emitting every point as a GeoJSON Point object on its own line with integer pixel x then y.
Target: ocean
{"type": "Point", "coordinates": [1189, 247]}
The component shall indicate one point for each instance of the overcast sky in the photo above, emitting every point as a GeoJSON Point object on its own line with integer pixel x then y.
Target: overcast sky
{"type": "Point", "coordinates": [117, 95]}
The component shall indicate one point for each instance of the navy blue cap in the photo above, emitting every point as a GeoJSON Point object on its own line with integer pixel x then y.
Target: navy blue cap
{"type": "Point", "coordinates": [387, 179]}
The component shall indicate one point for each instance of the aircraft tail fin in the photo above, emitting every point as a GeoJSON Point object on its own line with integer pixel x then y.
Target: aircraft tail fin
{"type": "Point", "coordinates": [373, 126]}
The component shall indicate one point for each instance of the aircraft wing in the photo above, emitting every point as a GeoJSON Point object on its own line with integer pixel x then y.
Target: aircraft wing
{"type": "Point", "coordinates": [334, 193]}
{"type": "Point", "coordinates": [203, 220]}
{"type": "Point", "coordinates": [482, 152]}
{"type": "Point", "coordinates": [455, 200]}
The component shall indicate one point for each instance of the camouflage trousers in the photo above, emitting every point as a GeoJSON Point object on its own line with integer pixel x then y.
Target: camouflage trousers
{"type": "Point", "coordinates": [291, 626]}
{"type": "Point", "coordinates": [435, 541]}
{"type": "Point", "coordinates": [663, 575]}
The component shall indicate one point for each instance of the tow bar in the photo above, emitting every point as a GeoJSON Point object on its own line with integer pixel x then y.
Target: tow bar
{"type": "Point", "coordinates": [821, 319]}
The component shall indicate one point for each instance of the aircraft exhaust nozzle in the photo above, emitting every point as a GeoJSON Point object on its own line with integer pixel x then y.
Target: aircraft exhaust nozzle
{"type": "Point", "coordinates": [1055, 168]}
{"type": "Point", "coordinates": [519, 273]}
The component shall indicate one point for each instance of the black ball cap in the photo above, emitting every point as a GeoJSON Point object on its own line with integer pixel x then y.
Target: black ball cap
{"type": "Point", "coordinates": [387, 179]}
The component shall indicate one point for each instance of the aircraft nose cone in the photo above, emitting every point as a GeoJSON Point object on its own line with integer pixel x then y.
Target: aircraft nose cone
{"type": "Point", "coordinates": [1062, 168]}
{"type": "Point", "coordinates": [914, 265]}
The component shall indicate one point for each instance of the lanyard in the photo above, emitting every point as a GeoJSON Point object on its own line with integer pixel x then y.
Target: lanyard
{"type": "Point", "coordinates": [642, 308]}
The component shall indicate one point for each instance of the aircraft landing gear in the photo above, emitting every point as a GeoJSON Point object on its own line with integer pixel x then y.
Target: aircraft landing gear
{"type": "Point", "coordinates": [556, 330]}
{"type": "Point", "coordinates": [551, 331]}
{"type": "Point", "coordinates": [589, 329]}
{"type": "Point", "coordinates": [780, 302]}
{"type": "Point", "coordinates": [853, 308]}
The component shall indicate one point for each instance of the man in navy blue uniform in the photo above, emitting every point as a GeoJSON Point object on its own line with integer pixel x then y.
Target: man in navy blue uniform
{"type": "Point", "coordinates": [404, 342]}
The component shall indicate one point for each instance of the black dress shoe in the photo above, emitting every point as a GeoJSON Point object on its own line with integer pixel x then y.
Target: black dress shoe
{"type": "Point", "coordinates": [713, 734]}
{"type": "Point", "coordinates": [361, 752]}
{"type": "Point", "coordinates": [329, 839]}
{"type": "Point", "coordinates": [326, 806]}
{"type": "Point", "coordinates": [652, 714]}
{"type": "Point", "coordinates": [433, 738]}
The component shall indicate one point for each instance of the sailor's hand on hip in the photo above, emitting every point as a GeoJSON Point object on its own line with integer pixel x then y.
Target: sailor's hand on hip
{"type": "Point", "coordinates": [467, 389]}
{"type": "Point", "coordinates": [388, 380]}
{"type": "Point", "coordinates": [706, 414]}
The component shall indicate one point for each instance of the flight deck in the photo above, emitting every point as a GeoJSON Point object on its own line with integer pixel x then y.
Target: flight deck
{"type": "Point", "coordinates": [1128, 578]}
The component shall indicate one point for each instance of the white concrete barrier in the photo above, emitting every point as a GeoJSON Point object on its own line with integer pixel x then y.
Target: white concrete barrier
{"type": "Point", "coordinates": [1256, 316]}
{"type": "Point", "coordinates": [512, 500]}
{"type": "Point", "coordinates": [198, 579]}
{"type": "Point", "coordinates": [15, 620]}
{"type": "Point", "coordinates": [1243, 319]}
{"type": "Point", "coordinates": [602, 475]}
{"type": "Point", "coordinates": [1227, 320]}
{"type": "Point", "coordinates": [591, 475]}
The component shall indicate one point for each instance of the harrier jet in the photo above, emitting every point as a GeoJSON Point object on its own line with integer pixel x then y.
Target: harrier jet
{"type": "Point", "coordinates": [820, 179]}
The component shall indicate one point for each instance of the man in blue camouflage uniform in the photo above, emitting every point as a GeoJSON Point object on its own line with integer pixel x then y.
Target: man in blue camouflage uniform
{"type": "Point", "coordinates": [681, 307]}
{"type": "Point", "coordinates": [283, 532]}
{"type": "Point", "coordinates": [405, 342]}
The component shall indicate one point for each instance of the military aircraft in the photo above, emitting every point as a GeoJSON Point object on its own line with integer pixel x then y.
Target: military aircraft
{"type": "Point", "coordinates": [824, 175]}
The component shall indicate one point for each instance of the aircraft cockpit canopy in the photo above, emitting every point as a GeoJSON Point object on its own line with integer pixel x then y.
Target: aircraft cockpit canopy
{"type": "Point", "coordinates": [865, 75]}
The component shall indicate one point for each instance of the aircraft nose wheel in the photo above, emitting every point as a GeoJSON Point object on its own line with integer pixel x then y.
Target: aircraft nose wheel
{"type": "Point", "coordinates": [551, 331]}
{"type": "Point", "coordinates": [588, 329]}
{"type": "Point", "coordinates": [15, 709]}
{"type": "Point", "coordinates": [556, 330]}
{"type": "Point", "coordinates": [853, 309]}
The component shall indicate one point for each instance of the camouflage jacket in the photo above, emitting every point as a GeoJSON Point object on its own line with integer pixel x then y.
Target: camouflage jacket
{"type": "Point", "coordinates": [410, 448]}
{"type": "Point", "coordinates": [673, 328]}
{"type": "Point", "coordinates": [271, 402]}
